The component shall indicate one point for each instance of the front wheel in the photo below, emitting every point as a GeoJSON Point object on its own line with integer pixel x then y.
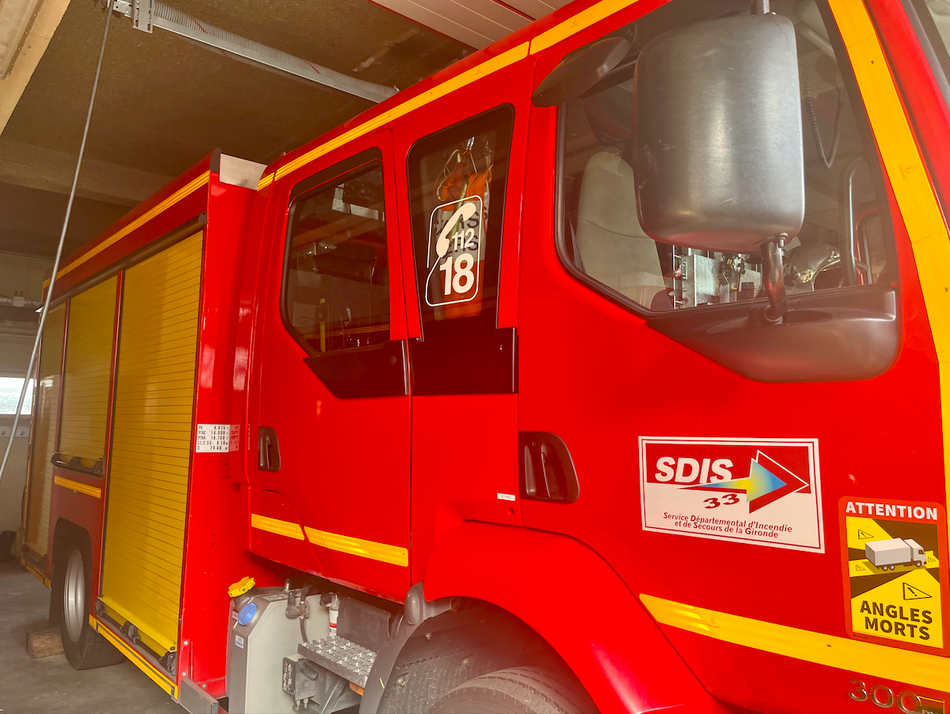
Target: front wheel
{"type": "Point", "coordinates": [519, 690]}
{"type": "Point", "coordinates": [84, 647]}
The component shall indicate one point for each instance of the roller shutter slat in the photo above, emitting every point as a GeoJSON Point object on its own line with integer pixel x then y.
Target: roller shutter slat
{"type": "Point", "coordinates": [88, 370]}
{"type": "Point", "coordinates": [148, 478]}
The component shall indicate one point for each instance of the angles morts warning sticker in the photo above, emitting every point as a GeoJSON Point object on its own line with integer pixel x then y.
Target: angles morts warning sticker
{"type": "Point", "coordinates": [762, 491]}
{"type": "Point", "coordinates": [894, 554]}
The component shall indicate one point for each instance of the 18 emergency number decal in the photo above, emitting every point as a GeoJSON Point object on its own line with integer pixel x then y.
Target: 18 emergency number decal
{"type": "Point", "coordinates": [763, 491]}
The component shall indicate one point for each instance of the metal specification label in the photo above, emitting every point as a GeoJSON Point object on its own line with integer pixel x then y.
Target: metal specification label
{"type": "Point", "coordinates": [759, 491]}
{"type": "Point", "coordinates": [213, 437]}
{"type": "Point", "coordinates": [893, 552]}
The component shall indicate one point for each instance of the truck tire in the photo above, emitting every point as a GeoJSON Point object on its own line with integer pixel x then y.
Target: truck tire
{"type": "Point", "coordinates": [519, 690]}
{"type": "Point", "coordinates": [84, 647]}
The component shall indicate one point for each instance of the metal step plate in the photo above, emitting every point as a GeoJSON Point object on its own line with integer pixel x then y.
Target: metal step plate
{"type": "Point", "coordinates": [340, 656]}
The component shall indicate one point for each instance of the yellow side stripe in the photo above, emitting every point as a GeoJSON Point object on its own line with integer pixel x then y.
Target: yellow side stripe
{"type": "Point", "coordinates": [357, 546]}
{"type": "Point", "coordinates": [383, 552]}
{"type": "Point", "coordinates": [581, 21]}
{"type": "Point", "coordinates": [905, 167]}
{"type": "Point", "coordinates": [160, 679]}
{"type": "Point", "coordinates": [482, 70]}
{"type": "Point", "coordinates": [181, 193]}
{"type": "Point", "coordinates": [559, 32]}
{"type": "Point", "coordinates": [277, 527]}
{"type": "Point", "coordinates": [35, 572]}
{"type": "Point", "coordinates": [78, 487]}
{"type": "Point", "coordinates": [916, 668]}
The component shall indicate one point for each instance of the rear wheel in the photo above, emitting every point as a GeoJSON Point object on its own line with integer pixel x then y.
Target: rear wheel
{"type": "Point", "coordinates": [84, 647]}
{"type": "Point", "coordinates": [519, 690]}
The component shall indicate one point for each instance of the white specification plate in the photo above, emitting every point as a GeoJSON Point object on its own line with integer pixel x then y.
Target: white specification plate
{"type": "Point", "coordinates": [213, 437]}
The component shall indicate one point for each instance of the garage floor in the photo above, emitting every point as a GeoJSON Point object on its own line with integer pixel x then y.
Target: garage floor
{"type": "Point", "coordinates": [50, 685]}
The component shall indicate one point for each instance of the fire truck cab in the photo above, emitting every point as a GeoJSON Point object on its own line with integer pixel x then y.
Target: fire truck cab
{"type": "Point", "coordinates": [539, 386]}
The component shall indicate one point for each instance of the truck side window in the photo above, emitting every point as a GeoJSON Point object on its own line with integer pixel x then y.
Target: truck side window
{"type": "Point", "coordinates": [336, 281]}
{"type": "Point", "coordinates": [457, 180]}
{"type": "Point", "coordinates": [839, 245]}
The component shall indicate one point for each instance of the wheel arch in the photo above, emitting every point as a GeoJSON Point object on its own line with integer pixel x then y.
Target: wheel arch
{"type": "Point", "coordinates": [565, 592]}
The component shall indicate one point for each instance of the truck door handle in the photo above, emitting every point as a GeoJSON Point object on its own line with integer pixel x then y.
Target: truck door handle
{"type": "Point", "coordinates": [268, 450]}
{"type": "Point", "coordinates": [547, 469]}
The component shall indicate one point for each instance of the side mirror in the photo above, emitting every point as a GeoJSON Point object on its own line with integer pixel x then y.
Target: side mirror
{"type": "Point", "coordinates": [720, 158]}
{"type": "Point", "coordinates": [580, 71]}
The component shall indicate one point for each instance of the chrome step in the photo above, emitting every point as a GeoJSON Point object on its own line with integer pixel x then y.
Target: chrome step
{"type": "Point", "coordinates": [341, 656]}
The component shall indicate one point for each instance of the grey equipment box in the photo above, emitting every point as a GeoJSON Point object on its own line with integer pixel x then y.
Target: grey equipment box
{"type": "Point", "coordinates": [261, 636]}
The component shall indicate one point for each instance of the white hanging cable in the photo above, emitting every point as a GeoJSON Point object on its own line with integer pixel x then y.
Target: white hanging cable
{"type": "Point", "coordinates": [59, 252]}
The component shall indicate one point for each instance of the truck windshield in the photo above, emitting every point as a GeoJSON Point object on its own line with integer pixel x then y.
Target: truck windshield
{"type": "Point", "coordinates": [843, 242]}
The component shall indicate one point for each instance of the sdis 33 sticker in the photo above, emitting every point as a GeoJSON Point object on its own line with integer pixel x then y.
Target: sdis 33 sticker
{"type": "Point", "coordinates": [762, 491]}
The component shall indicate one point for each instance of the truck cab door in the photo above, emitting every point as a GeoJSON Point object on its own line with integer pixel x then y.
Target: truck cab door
{"type": "Point", "coordinates": [330, 492]}
{"type": "Point", "coordinates": [462, 186]}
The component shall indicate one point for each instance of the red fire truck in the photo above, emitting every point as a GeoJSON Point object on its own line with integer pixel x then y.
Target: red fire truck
{"type": "Point", "coordinates": [581, 376]}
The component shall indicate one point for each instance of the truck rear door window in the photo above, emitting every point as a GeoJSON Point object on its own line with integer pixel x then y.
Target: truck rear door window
{"type": "Point", "coordinates": [457, 180]}
{"type": "Point", "coordinates": [336, 284]}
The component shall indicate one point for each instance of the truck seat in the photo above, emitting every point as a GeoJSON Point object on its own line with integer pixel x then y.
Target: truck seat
{"type": "Point", "coordinates": [613, 247]}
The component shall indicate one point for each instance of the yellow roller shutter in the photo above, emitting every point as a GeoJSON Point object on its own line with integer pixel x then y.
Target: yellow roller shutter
{"type": "Point", "coordinates": [151, 442]}
{"type": "Point", "coordinates": [45, 422]}
{"type": "Point", "coordinates": [88, 368]}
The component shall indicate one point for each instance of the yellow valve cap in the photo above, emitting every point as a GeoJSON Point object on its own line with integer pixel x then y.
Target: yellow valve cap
{"type": "Point", "coordinates": [241, 586]}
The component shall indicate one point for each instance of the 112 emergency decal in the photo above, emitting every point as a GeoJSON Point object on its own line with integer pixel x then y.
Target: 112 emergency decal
{"type": "Point", "coordinates": [894, 552]}
{"type": "Point", "coordinates": [455, 252]}
{"type": "Point", "coordinates": [761, 491]}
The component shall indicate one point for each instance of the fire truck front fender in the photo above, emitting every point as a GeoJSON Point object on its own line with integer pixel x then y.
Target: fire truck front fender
{"type": "Point", "coordinates": [576, 602]}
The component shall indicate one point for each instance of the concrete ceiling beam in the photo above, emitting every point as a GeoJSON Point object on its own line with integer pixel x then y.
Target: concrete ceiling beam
{"type": "Point", "coordinates": [26, 28]}
{"type": "Point", "coordinates": [50, 170]}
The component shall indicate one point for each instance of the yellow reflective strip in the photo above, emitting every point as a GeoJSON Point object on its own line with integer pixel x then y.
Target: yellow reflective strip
{"type": "Point", "coordinates": [181, 193]}
{"type": "Point", "coordinates": [580, 21]}
{"type": "Point", "coordinates": [447, 87]}
{"type": "Point", "coordinates": [357, 546]}
{"type": "Point", "coordinates": [559, 32]}
{"type": "Point", "coordinates": [277, 527]}
{"type": "Point", "coordinates": [917, 668]}
{"type": "Point", "coordinates": [905, 167]}
{"type": "Point", "coordinates": [136, 659]}
{"type": "Point", "coordinates": [36, 573]}
{"type": "Point", "coordinates": [266, 180]}
{"type": "Point", "coordinates": [78, 487]}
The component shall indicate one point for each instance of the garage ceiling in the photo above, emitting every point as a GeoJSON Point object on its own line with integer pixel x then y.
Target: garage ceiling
{"type": "Point", "coordinates": [164, 103]}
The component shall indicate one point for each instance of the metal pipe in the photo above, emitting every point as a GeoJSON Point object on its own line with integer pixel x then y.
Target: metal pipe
{"type": "Point", "coordinates": [773, 279]}
{"type": "Point", "coordinates": [146, 15]}
{"type": "Point", "coordinates": [59, 252]}
{"type": "Point", "coordinates": [846, 220]}
{"type": "Point", "coordinates": [760, 7]}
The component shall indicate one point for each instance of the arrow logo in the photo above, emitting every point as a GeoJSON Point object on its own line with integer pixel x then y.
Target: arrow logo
{"type": "Point", "coordinates": [761, 487]}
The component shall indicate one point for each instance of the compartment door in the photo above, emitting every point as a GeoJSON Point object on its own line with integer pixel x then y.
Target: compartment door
{"type": "Point", "coordinates": [45, 428]}
{"type": "Point", "coordinates": [151, 447]}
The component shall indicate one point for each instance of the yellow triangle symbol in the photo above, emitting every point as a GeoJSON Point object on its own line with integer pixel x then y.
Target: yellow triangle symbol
{"type": "Point", "coordinates": [912, 593]}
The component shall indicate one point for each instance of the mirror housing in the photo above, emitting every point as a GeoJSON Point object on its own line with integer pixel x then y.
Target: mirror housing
{"type": "Point", "coordinates": [720, 157]}
{"type": "Point", "coordinates": [580, 71]}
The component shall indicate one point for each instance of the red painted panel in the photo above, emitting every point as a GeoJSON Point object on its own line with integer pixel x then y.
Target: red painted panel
{"type": "Point", "coordinates": [215, 547]}
{"type": "Point", "coordinates": [344, 462]}
{"type": "Point", "coordinates": [576, 602]}
{"type": "Point", "coordinates": [175, 215]}
{"type": "Point", "coordinates": [617, 379]}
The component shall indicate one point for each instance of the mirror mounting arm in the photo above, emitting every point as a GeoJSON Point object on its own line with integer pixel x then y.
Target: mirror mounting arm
{"type": "Point", "coordinates": [773, 279]}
